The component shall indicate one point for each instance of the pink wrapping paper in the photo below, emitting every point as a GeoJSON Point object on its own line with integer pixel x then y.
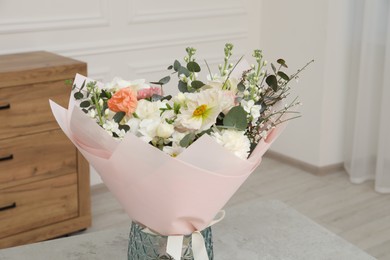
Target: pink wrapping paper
{"type": "Point", "coordinates": [171, 196]}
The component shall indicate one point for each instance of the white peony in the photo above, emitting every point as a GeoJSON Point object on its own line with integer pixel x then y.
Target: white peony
{"type": "Point", "coordinates": [233, 140]}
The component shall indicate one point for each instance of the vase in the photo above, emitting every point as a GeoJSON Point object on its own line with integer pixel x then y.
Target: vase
{"type": "Point", "coordinates": [147, 246]}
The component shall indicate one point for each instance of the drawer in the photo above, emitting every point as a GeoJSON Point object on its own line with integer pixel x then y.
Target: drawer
{"type": "Point", "coordinates": [36, 156]}
{"type": "Point", "coordinates": [37, 204]}
{"type": "Point", "coordinates": [25, 109]}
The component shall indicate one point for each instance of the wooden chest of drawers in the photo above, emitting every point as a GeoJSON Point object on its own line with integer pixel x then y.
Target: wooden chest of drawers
{"type": "Point", "coordinates": [44, 181]}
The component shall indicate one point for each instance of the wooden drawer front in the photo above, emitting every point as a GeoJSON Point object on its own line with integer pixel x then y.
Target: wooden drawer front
{"type": "Point", "coordinates": [25, 109]}
{"type": "Point", "coordinates": [37, 204]}
{"type": "Point", "coordinates": [33, 157]}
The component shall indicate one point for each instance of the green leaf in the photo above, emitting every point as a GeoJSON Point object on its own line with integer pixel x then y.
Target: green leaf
{"type": "Point", "coordinates": [273, 67]}
{"type": "Point", "coordinates": [85, 103]}
{"type": "Point", "coordinates": [176, 108]}
{"type": "Point", "coordinates": [124, 127]}
{"type": "Point", "coordinates": [282, 62]}
{"type": "Point", "coordinates": [193, 66]}
{"type": "Point", "coordinates": [119, 116]}
{"type": "Point", "coordinates": [169, 97]}
{"type": "Point", "coordinates": [283, 75]}
{"type": "Point", "coordinates": [85, 110]}
{"type": "Point", "coordinates": [156, 97]}
{"type": "Point", "coordinates": [236, 118]}
{"type": "Point", "coordinates": [176, 65]}
{"type": "Point", "coordinates": [170, 67]}
{"type": "Point", "coordinates": [187, 140]}
{"type": "Point", "coordinates": [183, 70]}
{"type": "Point", "coordinates": [105, 94]}
{"type": "Point", "coordinates": [272, 82]}
{"type": "Point", "coordinates": [78, 95]}
{"type": "Point", "coordinates": [241, 87]}
{"type": "Point", "coordinates": [82, 86]}
{"type": "Point", "coordinates": [182, 86]}
{"type": "Point", "coordinates": [197, 84]}
{"type": "Point", "coordinates": [165, 80]}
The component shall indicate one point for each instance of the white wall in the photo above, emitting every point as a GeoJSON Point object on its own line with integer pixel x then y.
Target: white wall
{"type": "Point", "coordinates": [129, 38]}
{"type": "Point", "coordinates": [299, 31]}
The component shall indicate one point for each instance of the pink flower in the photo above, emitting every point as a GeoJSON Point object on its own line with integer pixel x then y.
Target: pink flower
{"type": "Point", "coordinates": [124, 100]}
{"type": "Point", "coordinates": [148, 92]}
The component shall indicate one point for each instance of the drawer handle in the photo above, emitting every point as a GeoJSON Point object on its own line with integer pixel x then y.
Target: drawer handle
{"type": "Point", "coordinates": [5, 106]}
{"type": "Point", "coordinates": [10, 206]}
{"type": "Point", "coordinates": [7, 157]}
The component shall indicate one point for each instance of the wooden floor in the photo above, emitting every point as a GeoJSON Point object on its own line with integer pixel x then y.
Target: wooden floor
{"type": "Point", "coordinates": [355, 212]}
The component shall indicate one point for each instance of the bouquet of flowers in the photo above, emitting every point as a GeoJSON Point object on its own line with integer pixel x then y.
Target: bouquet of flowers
{"type": "Point", "coordinates": [174, 161]}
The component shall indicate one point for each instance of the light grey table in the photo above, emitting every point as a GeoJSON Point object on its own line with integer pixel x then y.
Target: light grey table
{"type": "Point", "coordinates": [250, 231]}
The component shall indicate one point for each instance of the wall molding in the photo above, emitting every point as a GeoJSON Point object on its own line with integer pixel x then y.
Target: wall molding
{"type": "Point", "coordinates": [125, 45]}
{"type": "Point", "coordinates": [137, 16]}
{"type": "Point", "coordinates": [56, 23]}
{"type": "Point", "coordinates": [161, 66]}
{"type": "Point", "coordinates": [316, 170]}
{"type": "Point", "coordinates": [99, 74]}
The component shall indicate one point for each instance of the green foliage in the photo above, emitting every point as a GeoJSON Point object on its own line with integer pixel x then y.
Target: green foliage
{"type": "Point", "coordinates": [236, 118]}
{"type": "Point", "coordinates": [78, 95]}
{"type": "Point", "coordinates": [282, 63]}
{"type": "Point", "coordinates": [184, 70]}
{"type": "Point", "coordinates": [119, 116]}
{"type": "Point", "coordinates": [272, 82]}
{"type": "Point", "coordinates": [193, 66]}
{"type": "Point", "coordinates": [241, 87]}
{"type": "Point", "coordinates": [85, 104]}
{"type": "Point", "coordinates": [196, 84]}
{"type": "Point", "coordinates": [283, 75]}
{"type": "Point", "coordinates": [162, 81]}
{"type": "Point", "coordinates": [176, 65]}
{"type": "Point", "coordinates": [187, 140]}
{"type": "Point", "coordinates": [182, 86]}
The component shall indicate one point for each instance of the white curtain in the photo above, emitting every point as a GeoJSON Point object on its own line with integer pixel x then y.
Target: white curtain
{"type": "Point", "coordinates": [367, 154]}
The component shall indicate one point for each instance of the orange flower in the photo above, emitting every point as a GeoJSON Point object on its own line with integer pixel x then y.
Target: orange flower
{"type": "Point", "coordinates": [124, 100]}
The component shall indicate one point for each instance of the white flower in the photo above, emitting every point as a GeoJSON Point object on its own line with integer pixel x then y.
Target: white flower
{"type": "Point", "coordinates": [201, 111]}
{"type": "Point", "coordinates": [217, 83]}
{"type": "Point", "coordinates": [148, 129]}
{"type": "Point", "coordinates": [147, 110]}
{"type": "Point", "coordinates": [92, 113]}
{"type": "Point", "coordinates": [251, 109]}
{"type": "Point", "coordinates": [233, 140]}
{"type": "Point", "coordinates": [133, 123]}
{"type": "Point", "coordinates": [118, 83]}
{"type": "Point", "coordinates": [165, 130]}
{"type": "Point", "coordinates": [173, 150]}
{"type": "Point", "coordinates": [112, 127]}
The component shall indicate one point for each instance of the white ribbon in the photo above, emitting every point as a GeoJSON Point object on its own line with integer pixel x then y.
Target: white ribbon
{"type": "Point", "coordinates": [175, 243]}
